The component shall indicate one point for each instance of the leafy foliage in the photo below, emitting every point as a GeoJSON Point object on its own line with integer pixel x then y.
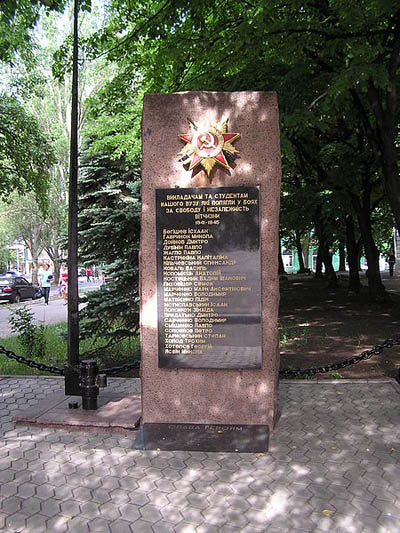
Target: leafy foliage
{"type": "Point", "coordinates": [31, 336]}
{"type": "Point", "coordinates": [109, 228]}
{"type": "Point", "coordinates": [25, 153]}
{"type": "Point", "coordinates": [17, 18]}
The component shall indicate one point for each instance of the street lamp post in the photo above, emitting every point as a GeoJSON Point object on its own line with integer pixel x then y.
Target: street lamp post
{"type": "Point", "coordinates": [71, 371]}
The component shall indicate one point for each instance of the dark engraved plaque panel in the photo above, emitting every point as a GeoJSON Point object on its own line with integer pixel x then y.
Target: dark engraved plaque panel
{"type": "Point", "coordinates": [203, 437]}
{"type": "Point", "coordinates": [208, 278]}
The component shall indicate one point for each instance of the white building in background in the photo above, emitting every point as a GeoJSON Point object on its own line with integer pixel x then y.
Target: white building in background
{"type": "Point", "coordinates": [23, 261]}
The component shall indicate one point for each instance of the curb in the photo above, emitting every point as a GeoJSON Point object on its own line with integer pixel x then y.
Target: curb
{"type": "Point", "coordinates": [321, 381]}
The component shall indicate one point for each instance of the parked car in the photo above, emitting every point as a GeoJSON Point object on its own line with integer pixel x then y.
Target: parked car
{"type": "Point", "coordinates": [10, 274]}
{"type": "Point", "coordinates": [15, 289]}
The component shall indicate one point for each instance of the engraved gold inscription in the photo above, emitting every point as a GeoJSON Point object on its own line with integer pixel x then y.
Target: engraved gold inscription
{"type": "Point", "coordinates": [196, 290]}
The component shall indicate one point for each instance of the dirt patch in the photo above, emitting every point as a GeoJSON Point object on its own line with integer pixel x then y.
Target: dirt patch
{"type": "Point", "coordinates": [320, 326]}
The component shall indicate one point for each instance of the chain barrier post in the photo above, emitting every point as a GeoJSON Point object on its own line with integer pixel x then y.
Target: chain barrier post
{"type": "Point", "coordinates": [89, 387]}
{"type": "Point", "coordinates": [72, 380]}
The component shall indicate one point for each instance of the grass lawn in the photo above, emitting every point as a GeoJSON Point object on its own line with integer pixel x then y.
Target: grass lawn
{"type": "Point", "coordinates": [56, 352]}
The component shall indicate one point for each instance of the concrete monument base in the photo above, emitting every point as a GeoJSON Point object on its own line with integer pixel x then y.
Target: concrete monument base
{"type": "Point", "coordinates": [203, 437]}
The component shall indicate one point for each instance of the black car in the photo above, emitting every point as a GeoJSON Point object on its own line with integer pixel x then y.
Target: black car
{"type": "Point", "coordinates": [15, 289]}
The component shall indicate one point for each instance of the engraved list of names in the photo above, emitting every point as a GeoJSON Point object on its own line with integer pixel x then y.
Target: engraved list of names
{"type": "Point", "coordinates": [208, 277]}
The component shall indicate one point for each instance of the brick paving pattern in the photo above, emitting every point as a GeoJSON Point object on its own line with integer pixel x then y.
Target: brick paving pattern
{"type": "Point", "coordinates": [333, 465]}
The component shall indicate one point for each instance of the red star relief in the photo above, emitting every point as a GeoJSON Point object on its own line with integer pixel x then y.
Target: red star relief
{"type": "Point", "coordinates": [208, 145]}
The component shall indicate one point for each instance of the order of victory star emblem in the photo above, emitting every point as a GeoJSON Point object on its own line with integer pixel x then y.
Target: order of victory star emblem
{"type": "Point", "coordinates": [206, 146]}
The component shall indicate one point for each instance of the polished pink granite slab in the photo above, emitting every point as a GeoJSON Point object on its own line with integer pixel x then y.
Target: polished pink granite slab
{"type": "Point", "coordinates": [115, 413]}
{"type": "Point", "coordinates": [204, 395]}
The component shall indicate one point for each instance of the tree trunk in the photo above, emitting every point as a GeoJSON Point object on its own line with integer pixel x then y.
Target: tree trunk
{"type": "Point", "coordinates": [387, 132]}
{"type": "Point", "coordinates": [281, 269]}
{"type": "Point", "coordinates": [377, 291]}
{"type": "Point", "coordinates": [318, 267]}
{"type": "Point", "coordinates": [299, 252]}
{"type": "Point", "coordinates": [352, 257]}
{"type": "Point", "coordinates": [35, 252]}
{"type": "Point", "coordinates": [342, 257]}
{"type": "Point", "coordinates": [326, 256]}
{"type": "Point", "coordinates": [56, 259]}
{"type": "Point", "coordinates": [329, 270]}
{"type": "Point", "coordinates": [359, 253]}
{"type": "Point", "coordinates": [306, 251]}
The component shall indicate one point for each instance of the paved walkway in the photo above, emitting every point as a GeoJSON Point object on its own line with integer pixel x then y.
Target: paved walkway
{"type": "Point", "coordinates": [333, 465]}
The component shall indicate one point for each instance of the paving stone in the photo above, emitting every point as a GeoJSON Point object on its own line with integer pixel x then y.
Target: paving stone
{"type": "Point", "coordinates": [316, 463]}
{"type": "Point", "coordinates": [50, 507]}
{"type": "Point", "coordinates": [109, 511]}
{"type": "Point", "coordinates": [63, 493]}
{"type": "Point", "coordinates": [128, 483]}
{"type": "Point", "coordinates": [99, 525]}
{"type": "Point", "coordinates": [165, 485]}
{"type": "Point", "coordinates": [365, 508]}
{"type": "Point", "coordinates": [9, 489]}
{"type": "Point", "coordinates": [150, 513]}
{"type": "Point", "coordinates": [120, 526]}
{"type": "Point", "coordinates": [158, 498]}
{"type": "Point", "coordinates": [11, 505]}
{"type": "Point", "coordinates": [163, 527]}
{"type": "Point", "coordinates": [82, 494]}
{"type": "Point", "coordinates": [90, 510]}
{"type": "Point", "coordinates": [100, 496]}
{"type": "Point", "coordinates": [360, 491]}
{"type": "Point", "coordinates": [7, 475]}
{"type": "Point", "coordinates": [197, 500]}
{"type": "Point", "coordinates": [129, 512]}
{"type": "Point", "coordinates": [185, 527]}
{"type": "Point", "coordinates": [15, 522]}
{"type": "Point", "coordinates": [110, 483]}
{"type": "Point", "coordinates": [30, 506]}
{"type": "Point", "coordinates": [78, 525]}
{"type": "Point", "coordinates": [236, 518]}
{"type": "Point", "coordinates": [389, 525]}
{"type": "Point", "coordinates": [178, 498]}
{"type": "Point", "coordinates": [381, 493]}
{"type": "Point", "coordinates": [36, 523]}
{"type": "Point", "coordinates": [192, 515]}
{"type": "Point", "coordinates": [70, 508]}
{"type": "Point", "coordinates": [171, 514]}
{"type": "Point", "coordinates": [138, 497]}
{"type": "Point", "coordinates": [119, 496]}
{"type": "Point", "coordinates": [386, 507]}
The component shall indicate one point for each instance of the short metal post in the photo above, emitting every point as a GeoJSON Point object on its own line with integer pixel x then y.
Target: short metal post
{"type": "Point", "coordinates": [89, 387]}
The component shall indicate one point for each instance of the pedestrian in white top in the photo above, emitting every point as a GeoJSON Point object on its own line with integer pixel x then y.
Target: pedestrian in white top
{"type": "Point", "coordinates": [45, 280]}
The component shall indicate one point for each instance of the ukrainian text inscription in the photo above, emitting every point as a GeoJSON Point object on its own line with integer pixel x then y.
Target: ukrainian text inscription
{"type": "Point", "coordinates": [208, 277]}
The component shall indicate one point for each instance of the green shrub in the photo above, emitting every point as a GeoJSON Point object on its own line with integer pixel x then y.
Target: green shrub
{"type": "Point", "coordinates": [31, 336]}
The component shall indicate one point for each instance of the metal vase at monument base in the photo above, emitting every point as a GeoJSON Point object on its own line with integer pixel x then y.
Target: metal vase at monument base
{"type": "Point", "coordinates": [209, 271]}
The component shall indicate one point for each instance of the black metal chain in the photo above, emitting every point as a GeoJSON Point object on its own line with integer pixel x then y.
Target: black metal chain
{"type": "Point", "coordinates": [366, 354]}
{"type": "Point", "coordinates": [120, 369]}
{"type": "Point", "coordinates": [289, 372]}
{"type": "Point", "coordinates": [60, 371]}
{"type": "Point", "coordinates": [29, 362]}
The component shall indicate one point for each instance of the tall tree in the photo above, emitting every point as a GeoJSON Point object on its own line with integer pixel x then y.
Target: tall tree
{"type": "Point", "coordinates": [346, 53]}
{"type": "Point", "coordinates": [25, 222]}
{"type": "Point", "coordinates": [109, 228]}
{"type": "Point", "coordinates": [17, 19]}
{"type": "Point", "coordinates": [26, 155]}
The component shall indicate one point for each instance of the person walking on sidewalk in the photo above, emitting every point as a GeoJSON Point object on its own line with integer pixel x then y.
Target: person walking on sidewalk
{"type": "Point", "coordinates": [392, 262]}
{"type": "Point", "coordinates": [45, 280]}
{"type": "Point", "coordinates": [64, 283]}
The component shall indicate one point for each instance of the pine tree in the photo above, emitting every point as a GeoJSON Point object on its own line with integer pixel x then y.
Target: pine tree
{"type": "Point", "coordinates": [109, 231]}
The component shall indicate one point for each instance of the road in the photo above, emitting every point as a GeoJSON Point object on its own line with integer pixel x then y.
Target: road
{"type": "Point", "coordinates": [54, 313]}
